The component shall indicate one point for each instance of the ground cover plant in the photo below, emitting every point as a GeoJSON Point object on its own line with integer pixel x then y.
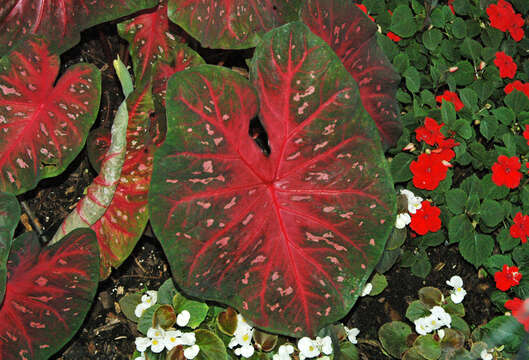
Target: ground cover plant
{"type": "Point", "coordinates": [350, 138]}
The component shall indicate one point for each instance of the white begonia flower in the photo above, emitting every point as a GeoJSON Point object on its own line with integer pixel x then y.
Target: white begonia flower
{"type": "Point", "coordinates": [423, 326]}
{"type": "Point", "coordinates": [188, 339]}
{"type": "Point", "coordinates": [142, 343]}
{"type": "Point", "coordinates": [191, 352]}
{"type": "Point", "coordinates": [402, 220]}
{"type": "Point", "coordinates": [367, 289]}
{"type": "Point", "coordinates": [157, 336]}
{"type": "Point", "coordinates": [147, 300]}
{"type": "Point", "coordinates": [243, 338]}
{"type": "Point", "coordinates": [172, 338]}
{"type": "Point", "coordinates": [458, 293]}
{"type": "Point", "coordinates": [183, 318]}
{"type": "Point", "coordinates": [283, 353]}
{"type": "Point", "coordinates": [485, 355]}
{"type": "Point", "coordinates": [307, 348]}
{"type": "Point", "coordinates": [324, 344]}
{"type": "Point", "coordinates": [141, 357]}
{"type": "Point", "coordinates": [443, 318]}
{"type": "Point", "coordinates": [414, 202]}
{"type": "Point", "coordinates": [352, 334]}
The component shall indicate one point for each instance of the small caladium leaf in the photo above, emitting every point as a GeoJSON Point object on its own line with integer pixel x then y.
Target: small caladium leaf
{"type": "Point", "coordinates": [9, 216]}
{"type": "Point", "coordinates": [99, 194]}
{"type": "Point", "coordinates": [287, 239]}
{"type": "Point", "coordinates": [43, 125]}
{"type": "Point", "coordinates": [231, 24]}
{"type": "Point", "coordinates": [97, 144]}
{"type": "Point", "coordinates": [149, 38]}
{"type": "Point", "coordinates": [49, 291]}
{"type": "Point", "coordinates": [351, 34]}
{"type": "Point", "coordinates": [60, 21]}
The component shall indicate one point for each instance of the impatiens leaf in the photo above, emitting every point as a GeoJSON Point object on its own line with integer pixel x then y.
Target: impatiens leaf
{"type": "Point", "coordinates": [100, 193]}
{"type": "Point", "coordinates": [61, 21]}
{"type": "Point", "coordinates": [149, 38]}
{"type": "Point", "coordinates": [231, 24]}
{"type": "Point", "coordinates": [351, 34]}
{"type": "Point", "coordinates": [43, 124]}
{"type": "Point", "coordinates": [49, 291]}
{"type": "Point", "coordinates": [290, 238]}
{"type": "Point", "coordinates": [9, 216]}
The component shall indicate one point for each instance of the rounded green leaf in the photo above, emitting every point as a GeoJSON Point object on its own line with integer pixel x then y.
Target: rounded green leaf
{"type": "Point", "coordinates": [393, 336]}
{"type": "Point", "coordinates": [211, 346]}
{"type": "Point", "coordinates": [403, 22]}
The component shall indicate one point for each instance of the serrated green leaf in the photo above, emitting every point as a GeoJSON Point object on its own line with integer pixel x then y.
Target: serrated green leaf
{"type": "Point", "coordinates": [476, 248]}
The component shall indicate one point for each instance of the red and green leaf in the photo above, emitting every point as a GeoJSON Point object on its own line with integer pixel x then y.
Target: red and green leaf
{"type": "Point", "coordinates": [288, 239]}
{"type": "Point", "coordinates": [60, 21]}
{"type": "Point", "coordinates": [49, 292]}
{"type": "Point", "coordinates": [43, 125]}
{"type": "Point", "coordinates": [351, 34]}
{"type": "Point", "coordinates": [150, 39]}
{"type": "Point", "coordinates": [231, 24]}
{"type": "Point", "coordinates": [9, 216]}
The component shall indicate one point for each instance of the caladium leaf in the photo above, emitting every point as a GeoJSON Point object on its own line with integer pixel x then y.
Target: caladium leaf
{"type": "Point", "coordinates": [351, 34]}
{"type": "Point", "coordinates": [97, 144]}
{"type": "Point", "coordinates": [231, 24]}
{"type": "Point", "coordinates": [9, 216]}
{"type": "Point", "coordinates": [149, 38]}
{"type": "Point", "coordinates": [100, 192]}
{"type": "Point", "coordinates": [42, 127]}
{"type": "Point", "coordinates": [287, 239]}
{"type": "Point", "coordinates": [49, 291]}
{"type": "Point", "coordinates": [60, 21]}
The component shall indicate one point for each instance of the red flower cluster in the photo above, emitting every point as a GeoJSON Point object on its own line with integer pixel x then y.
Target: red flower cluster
{"type": "Point", "coordinates": [393, 36]}
{"type": "Point", "coordinates": [506, 171]}
{"type": "Point", "coordinates": [364, 9]}
{"type": "Point", "coordinates": [503, 17]}
{"type": "Point", "coordinates": [451, 97]}
{"type": "Point", "coordinates": [520, 228]}
{"type": "Point", "coordinates": [429, 133]}
{"type": "Point", "coordinates": [520, 310]}
{"type": "Point", "coordinates": [507, 278]}
{"type": "Point", "coordinates": [426, 219]}
{"type": "Point", "coordinates": [526, 134]}
{"type": "Point", "coordinates": [517, 85]}
{"type": "Point", "coordinates": [506, 65]}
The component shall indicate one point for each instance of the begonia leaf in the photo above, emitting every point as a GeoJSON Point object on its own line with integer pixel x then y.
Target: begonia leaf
{"type": "Point", "coordinates": [43, 124]}
{"type": "Point", "coordinates": [9, 216]}
{"type": "Point", "coordinates": [231, 24]}
{"type": "Point", "coordinates": [287, 239]}
{"type": "Point", "coordinates": [351, 34]}
{"type": "Point", "coordinates": [60, 21]}
{"type": "Point", "coordinates": [49, 291]}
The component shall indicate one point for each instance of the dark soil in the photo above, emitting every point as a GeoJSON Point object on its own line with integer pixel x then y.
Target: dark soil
{"type": "Point", "coordinates": [106, 334]}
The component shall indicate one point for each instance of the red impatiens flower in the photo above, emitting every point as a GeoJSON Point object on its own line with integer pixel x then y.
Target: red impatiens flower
{"type": "Point", "coordinates": [520, 228]}
{"type": "Point", "coordinates": [526, 133]}
{"type": "Point", "coordinates": [393, 36]}
{"type": "Point", "coordinates": [429, 133]}
{"type": "Point", "coordinates": [364, 9]}
{"type": "Point", "coordinates": [506, 171]}
{"type": "Point", "coordinates": [517, 85]}
{"type": "Point", "coordinates": [506, 65]}
{"type": "Point", "coordinates": [451, 97]}
{"type": "Point", "coordinates": [426, 219]}
{"type": "Point", "coordinates": [503, 17]}
{"type": "Point", "coordinates": [520, 310]}
{"type": "Point", "coordinates": [507, 278]}
{"type": "Point", "coordinates": [428, 171]}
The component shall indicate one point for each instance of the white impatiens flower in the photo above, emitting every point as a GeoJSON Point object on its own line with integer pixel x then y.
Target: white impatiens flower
{"type": "Point", "coordinates": [307, 348]}
{"type": "Point", "coordinates": [414, 202]}
{"type": "Point", "coordinates": [403, 219]}
{"type": "Point", "coordinates": [367, 289]}
{"type": "Point", "coordinates": [352, 334]}
{"type": "Point", "coordinates": [485, 355]}
{"type": "Point", "coordinates": [183, 318]}
{"type": "Point", "coordinates": [324, 344]}
{"type": "Point", "coordinates": [142, 343]}
{"type": "Point", "coordinates": [243, 338]}
{"type": "Point", "coordinates": [172, 338]}
{"type": "Point", "coordinates": [157, 336]}
{"type": "Point", "coordinates": [191, 352]}
{"type": "Point", "coordinates": [283, 353]}
{"type": "Point", "coordinates": [458, 293]}
{"type": "Point", "coordinates": [147, 300]}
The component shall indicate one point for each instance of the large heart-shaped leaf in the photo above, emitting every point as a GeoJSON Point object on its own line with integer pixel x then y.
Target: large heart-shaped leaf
{"type": "Point", "coordinates": [60, 21]}
{"type": "Point", "coordinates": [351, 34]}
{"type": "Point", "coordinates": [42, 126]}
{"type": "Point", "coordinates": [149, 38]}
{"type": "Point", "coordinates": [231, 24]}
{"type": "Point", "coordinates": [289, 239]}
{"type": "Point", "coordinates": [9, 216]}
{"type": "Point", "coordinates": [49, 291]}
